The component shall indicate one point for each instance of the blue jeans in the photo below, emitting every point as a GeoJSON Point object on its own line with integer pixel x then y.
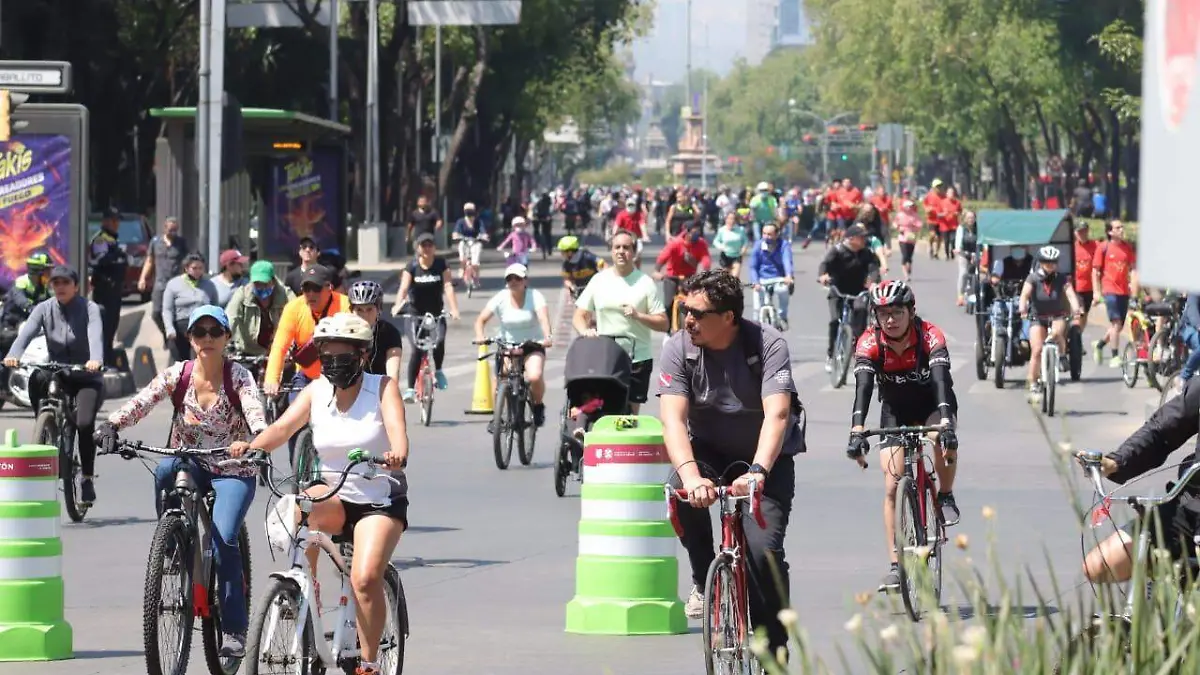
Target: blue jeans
{"type": "Point", "coordinates": [1191, 337]}
{"type": "Point", "coordinates": [233, 497]}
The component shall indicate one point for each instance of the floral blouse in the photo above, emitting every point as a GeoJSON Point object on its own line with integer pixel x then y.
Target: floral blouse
{"type": "Point", "coordinates": [196, 427]}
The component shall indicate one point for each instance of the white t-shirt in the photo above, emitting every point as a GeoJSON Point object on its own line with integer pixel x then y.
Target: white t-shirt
{"type": "Point", "coordinates": [518, 324]}
{"type": "Point", "coordinates": [604, 296]}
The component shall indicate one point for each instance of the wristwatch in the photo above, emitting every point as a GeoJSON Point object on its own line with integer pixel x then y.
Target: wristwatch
{"type": "Point", "coordinates": [759, 468]}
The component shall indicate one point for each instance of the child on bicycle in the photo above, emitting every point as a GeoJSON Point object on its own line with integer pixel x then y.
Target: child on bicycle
{"type": "Point", "coordinates": [218, 406]}
{"type": "Point", "coordinates": [519, 241]}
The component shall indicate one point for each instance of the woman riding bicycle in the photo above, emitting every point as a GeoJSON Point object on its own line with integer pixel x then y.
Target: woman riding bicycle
{"type": "Point", "coordinates": [423, 286]}
{"type": "Point", "coordinates": [524, 320]}
{"type": "Point", "coordinates": [366, 300]}
{"type": "Point", "coordinates": [349, 409]}
{"type": "Point", "coordinates": [1050, 295]}
{"type": "Point", "coordinates": [207, 418]}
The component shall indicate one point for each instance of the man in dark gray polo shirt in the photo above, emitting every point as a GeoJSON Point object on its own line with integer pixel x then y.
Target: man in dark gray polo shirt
{"type": "Point", "coordinates": [164, 261]}
{"type": "Point", "coordinates": [726, 392]}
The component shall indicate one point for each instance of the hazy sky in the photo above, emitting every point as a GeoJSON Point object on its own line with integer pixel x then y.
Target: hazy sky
{"type": "Point", "coordinates": [661, 54]}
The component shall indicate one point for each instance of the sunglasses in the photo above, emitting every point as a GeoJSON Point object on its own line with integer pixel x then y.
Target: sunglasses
{"type": "Point", "coordinates": [308, 289]}
{"type": "Point", "coordinates": [341, 360]}
{"type": "Point", "coordinates": [513, 277]}
{"type": "Point", "coordinates": [698, 314]}
{"type": "Point", "coordinates": [201, 333]}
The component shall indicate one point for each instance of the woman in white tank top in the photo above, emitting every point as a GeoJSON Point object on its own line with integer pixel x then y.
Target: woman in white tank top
{"type": "Point", "coordinates": [348, 409]}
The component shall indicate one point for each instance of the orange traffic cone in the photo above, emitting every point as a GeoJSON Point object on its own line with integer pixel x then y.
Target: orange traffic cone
{"type": "Point", "coordinates": [481, 398]}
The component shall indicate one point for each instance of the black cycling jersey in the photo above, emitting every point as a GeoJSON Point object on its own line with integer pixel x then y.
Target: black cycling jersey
{"type": "Point", "coordinates": [387, 337]}
{"type": "Point", "coordinates": [426, 292]}
{"type": "Point", "coordinates": [1049, 298]}
{"type": "Point", "coordinates": [918, 380]}
{"type": "Point", "coordinates": [580, 269]}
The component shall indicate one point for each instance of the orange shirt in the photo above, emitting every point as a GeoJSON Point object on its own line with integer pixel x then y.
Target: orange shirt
{"type": "Point", "coordinates": [296, 326]}
{"type": "Point", "coordinates": [1085, 254]}
{"type": "Point", "coordinates": [1115, 259]}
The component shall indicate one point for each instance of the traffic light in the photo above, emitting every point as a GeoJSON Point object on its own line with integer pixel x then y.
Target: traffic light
{"type": "Point", "coordinates": [836, 130]}
{"type": "Point", "coordinates": [867, 127]}
{"type": "Point", "coordinates": [843, 157]}
{"type": "Point", "coordinates": [809, 139]}
{"type": "Point", "coordinates": [9, 100]}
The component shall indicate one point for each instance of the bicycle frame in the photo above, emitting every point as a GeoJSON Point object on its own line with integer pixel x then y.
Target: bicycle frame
{"type": "Point", "coordinates": [769, 311]}
{"type": "Point", "coordinates": [185, 500]}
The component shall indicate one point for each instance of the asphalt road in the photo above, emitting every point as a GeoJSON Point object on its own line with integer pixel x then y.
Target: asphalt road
{"type": "Point", "coordinates": [489, 562]}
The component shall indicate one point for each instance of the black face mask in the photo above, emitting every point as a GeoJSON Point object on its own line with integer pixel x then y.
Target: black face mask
{"type": "Point", "coordinates": [235, 277]}
{"type": "Point", "coordinates": [342, 370]}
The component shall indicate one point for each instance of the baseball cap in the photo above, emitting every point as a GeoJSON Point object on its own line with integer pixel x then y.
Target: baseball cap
{"type": "Point", "coordinates": [231, 255]}
{"type": "Point", "coordinates": [518, 220]}
{"type": "Point", "coordinates": [422, 238]}
{"type": "Point", "coordinates": [469, 206]}
{"type": "Point", "coordinates": [317, 275]}
{"type": "Point", "coordinates": [262, 272]}
{"type": "Point", "coordinates": [64, 272]}
{"type": "Point", "coordinates": [1081, 225]}
{"type": "Point", "coordinates": [111, 212]}
{"type": "Point", "coordinates": [936, 182]}
{"type": "Point", "coordinates": [516, 270]}
{"type": "Point", "coordinates": [212, 311]}
{"type": "Point", "coordinates": [856, 231]}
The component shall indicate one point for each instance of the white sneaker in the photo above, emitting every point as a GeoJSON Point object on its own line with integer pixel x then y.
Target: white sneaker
{"type": "Point", "coordinates": [694, 607]}
{"type": "Point", "coordinates": [828, 364]}
{"type": "Point", "coordinates": [409, 395]}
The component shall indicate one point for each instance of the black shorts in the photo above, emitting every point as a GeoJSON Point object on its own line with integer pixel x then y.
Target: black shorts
{"type": "Point", "coordinates": [919, 412]}
{"type": "Point", "coordinates": [639, 381]}
{"type": "Point", "coordinates": [727, 261]}
{"type": "Point", "coordinates": [355, 512]}
{"type": "Point", "coordinates": [1179, 525]}
{"type": "Point", "coordinates": [1085, 300]}
{"type": "Point", "coordinates": [906, 252]}
{"type": "Point", "coordinates": [530, 347]}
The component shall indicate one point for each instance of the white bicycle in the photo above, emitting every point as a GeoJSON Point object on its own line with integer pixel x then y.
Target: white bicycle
{"type": "Point", "coordinates": [1049, 374]}
{"type": "Point", "coordinates": [768, 312]}
{"type": "Point", "coordinates": [287, 633]}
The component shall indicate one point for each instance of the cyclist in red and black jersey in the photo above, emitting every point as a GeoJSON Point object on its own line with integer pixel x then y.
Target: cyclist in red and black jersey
{"type": "Point", "coordinates": [910, 359]}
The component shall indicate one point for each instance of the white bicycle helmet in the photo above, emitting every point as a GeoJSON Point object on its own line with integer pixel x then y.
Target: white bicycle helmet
{"type": "Point", "coordinates": [365, 292]}
{"type": "Point", "coordinates": [343, 327]}
{"type": "Point", "coordinates": [891, 293]}
{"type": "Point", "coordinates": [1048, 254]}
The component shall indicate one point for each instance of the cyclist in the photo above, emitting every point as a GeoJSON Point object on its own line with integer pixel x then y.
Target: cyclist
{"type": "Point", "coordinates": [347, 408]}
{"type": "Point", "coordinates": [849, 267]}
{"type": "Point", "coordinates": [524, 320]}
{"type": "Point", "coordinates": [207, 417]}
{"type": "Point", "coordinates": [771, 265]}
{"type": "Point", "coordinates": [520, 242]}
{"type": "Point", "coordinates": [542, 212]}
{"type": "Point", "coordinates": [910, 359]}
{"type": "Point", "coordinates": [682, 257]}
{"type": "Point", "coordinates": [307, 253]}
{"type": "Point", "coordinates": [764, 207]}
{"type": "Point", "coordinates": [624, 302]}
{"type": "Point", "coordinates": [71, 324]}
{"type": "Point", "coordinates": [727, 399]}
{"type": "Point", "coordinates": [255, 309]}
{"type": "Point", "coordinates": [28, 290]}
{"type": "Point", "coordinates": [632, 219]}
{"type": "Point", "coordinates": [579, 265]}
{"type": "Point", "coordinates": [295, 331]}
{"type": "Point", "coordinates": [426, 287]}
{"type": "Point", "coordinates": [681, 215]}
{"type": "Point", "coordinates": [383, 358]}
{"type": "Point", "coordinates": [470, 234]}
{"type": "Point", "coordinates": [732, 244]}
{"type": "Point", "coordinates": [1050, 295]}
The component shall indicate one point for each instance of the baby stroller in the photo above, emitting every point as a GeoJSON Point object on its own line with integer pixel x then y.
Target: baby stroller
{"type": "Point", "coordinates": [597, 375]}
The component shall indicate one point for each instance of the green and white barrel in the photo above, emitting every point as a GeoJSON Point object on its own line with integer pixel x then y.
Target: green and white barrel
{"type": "Point", "coordinates": [32, 627]}
{"type": "Point", "coordinates": [627, 573]}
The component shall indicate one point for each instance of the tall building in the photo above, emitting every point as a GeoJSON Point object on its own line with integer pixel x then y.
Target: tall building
{"type": "Point", "coordinates": [791, 28]}
{"type": "Point", "coordinates": [772, 24]}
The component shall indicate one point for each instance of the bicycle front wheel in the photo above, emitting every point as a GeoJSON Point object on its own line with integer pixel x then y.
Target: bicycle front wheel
{"type": "Point", "coordinates": [909, 541]}
{"type": "Point", "coordinates": [426, 393]}
{"type": "Point", "coordinates": [528, 431]}
{"type": "Point", "coordinates": [503, 433]}
{"type": "Point", "coordinates": [841, 356]}
{"type": "Point", "coordinates": [726, 622]}
{"type": "Point", "coordinates": [277, 618]}
{"type": "Point", "coordinates": [1050, 377]}
{"type": "Point", "coordinates": [210, 626]}
{"type": "Point", "coordinates": [306, 466]}
{"type": "Point", "coordinates": [167, 604]}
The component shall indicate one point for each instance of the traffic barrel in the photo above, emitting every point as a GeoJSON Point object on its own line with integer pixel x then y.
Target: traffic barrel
{"type": "Point", "coordinates": [32, 627]}
{"type": "Point", "coordinates": [481, 398]}
{"type": "Point", "coordinates": [627, 573]}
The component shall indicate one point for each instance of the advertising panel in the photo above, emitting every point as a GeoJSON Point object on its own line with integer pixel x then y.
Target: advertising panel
{"type": "Point", "coordinates": [35, 201]}
{"type": "Point", "coordinates": [303, 202]}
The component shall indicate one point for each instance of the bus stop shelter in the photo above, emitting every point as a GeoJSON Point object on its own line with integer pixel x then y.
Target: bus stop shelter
{"type": "Point", "coordinates": [293, 182]}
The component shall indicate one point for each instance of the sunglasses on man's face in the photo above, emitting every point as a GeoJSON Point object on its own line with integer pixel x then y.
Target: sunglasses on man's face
{"type": "Point", "coordinates": [697, 313]}
{"type": "Point", "coordinates": [201, 332]}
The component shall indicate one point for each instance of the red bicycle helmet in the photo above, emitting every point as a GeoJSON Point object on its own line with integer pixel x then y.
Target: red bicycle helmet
{"type": "Point", "coordinates": [890, 293]}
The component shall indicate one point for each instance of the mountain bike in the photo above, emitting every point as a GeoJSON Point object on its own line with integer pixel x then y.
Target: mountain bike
{"type": "Point", "coordinates": [181, 574]}
{"type": "Point", "coordinates": [726, 627]}
{"type": "Point", "coordinates": [843, 345]}
{"type": "Point", "coordinates": [426, 333]}
{"type": "Point", "coordinates": [920, 532]}
{"type": "Point", "coordinates": [1144, 507]}
{"type": "Point", "coordinates": [287, 632]}
{"type": "Point", "coordinates": [768, 313]}
{"type": "Point", "coordinates": [55, 426]}
{"type": "Point", "coordinates": [512, 415]}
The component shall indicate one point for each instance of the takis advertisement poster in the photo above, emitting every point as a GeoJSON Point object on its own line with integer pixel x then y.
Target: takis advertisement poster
{"type": "Point", "coordinates": [303, 202]}
{"type": "Point", "coordinates": [35, 201]}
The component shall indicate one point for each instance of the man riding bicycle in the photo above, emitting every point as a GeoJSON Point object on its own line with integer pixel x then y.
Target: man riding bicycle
{"type": "Point", "coordinates": [1050, 295]}
{"type": "Point", "coordinates": [771, 266]}
{"type": "Point", "coordinates": [682, 257]}
{"type": "Point", "coordinates": [910, 359]}
{"type": "Point", "coordinates": [579, 265]}
{"type": "Point", "coordinates": [848, 267]}
{"type": "Point", "coordinates": [470, 233]}
{"type": "Point", "coordinates": [255, 310]}
{"type": "Point", "coordinates": [71, 324]}
{"type": "Point", "coordinates": [764, 207]}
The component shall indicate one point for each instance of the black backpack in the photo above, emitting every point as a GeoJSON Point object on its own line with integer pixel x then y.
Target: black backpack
{"type": "Point", "coordinates": [750, 337]}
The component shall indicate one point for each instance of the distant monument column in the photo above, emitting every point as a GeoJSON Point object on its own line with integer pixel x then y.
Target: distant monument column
{"type": "Point", "coordinates": [688, 162]}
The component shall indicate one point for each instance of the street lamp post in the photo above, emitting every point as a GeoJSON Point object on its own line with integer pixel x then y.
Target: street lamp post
{"type": "Point", "coordinates": [825, 124]}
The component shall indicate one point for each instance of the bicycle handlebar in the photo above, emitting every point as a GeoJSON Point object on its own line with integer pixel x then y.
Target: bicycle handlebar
{"type": "Point", "coordinates": [246, 359]}
{"type": "Point", "coordinates": [846, 296]}
{"type": "Point", "coordinates": [724, 494]}
{"type": "Point", "coordinates": [901, 431]}
{"type": "Point", "coordinates": [1090, 461]}
{"type": "Point", "coordinates": [356, 457]}
{"type": "Point", "coordinates": [137, 447]}
{"type": "Point", "coordinates": [55, 365]}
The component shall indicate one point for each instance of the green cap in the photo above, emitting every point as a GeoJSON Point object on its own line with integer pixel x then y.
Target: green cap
{"type": "Point", "coordinates": [262, 271]}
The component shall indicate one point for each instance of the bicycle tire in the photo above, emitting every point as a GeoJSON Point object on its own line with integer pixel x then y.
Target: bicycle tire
{"type": "Point", "coordinates": [305, 467]}
{"type": "Point", "coordinates": [528, 431]}
{"type": "Point", "coordinates": [999, 354]}
{"type": "Point", "coordinates": [397, 611]}
{"type": "Point", "coordinates": [1129, 365]}
{"type": "Point", "coordinates": [907, 508]}
{"type": "Point", "coordinates": [1075, 352]}
{"type": "Point", "coordinates": [426, 392]}
{"type": "Point", "coordinates": [171, 536]}
{"type": "Point", "coordinates": [1160, 347]}
{"type": "Point", "coordinates": [501, 428]}
{"type": "Point", "coordinates": [841, 356]}
{"type": "Point", "coordinates": [286, 592]}
{"type": "Point", "coordinates": [1050, 375]}
{"type": "Point", "coordinates": [562, 469]}
{"type": "Point", "coordinates": [935, 537]}
{"type": "Point", "coordinates": [210, 626]}
{"type": "Point", "coordinates": [719, 600]}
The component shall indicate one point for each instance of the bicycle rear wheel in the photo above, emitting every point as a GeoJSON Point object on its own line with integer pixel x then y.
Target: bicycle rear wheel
{"type": "Point", "coordinates": [726, 622]}
{"type": "Point", "coordinates": [425, 391]}
{"type": "Point", "coordinates": [277, 617]}
{"type": "Point", "coordinates": [1129, 365]}
{"type": "Point", "coordinates": [210, 626]}
{"type": "Point", "coordinates": [1158, 366]}
{"type": "Point", "coordinates": [909, 538]}
{"type": "Point", "coordinates": [167, 603]}
{"type": "Point", "coordinates": [503, 434]}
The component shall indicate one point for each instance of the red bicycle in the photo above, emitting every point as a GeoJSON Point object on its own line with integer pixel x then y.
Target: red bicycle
{"type": "Point", "coordinates": [920, 530]}
{"type": "Point", "coordinates": [726, 628]}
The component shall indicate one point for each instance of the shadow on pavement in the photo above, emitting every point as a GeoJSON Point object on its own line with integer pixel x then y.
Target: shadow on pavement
{"type": "Point", "coordinates": [452, 563]}
{"type": "Point", "coordinates": [1028, 611]}
{"type": "Point", "coordinates": [429, 529]}
{"type": "Point", "coordinates": [1091, 413]}
{"type": "Point", "coordinates": [107, 654]}
{"type": "Point", "coordinates": [109, 522]}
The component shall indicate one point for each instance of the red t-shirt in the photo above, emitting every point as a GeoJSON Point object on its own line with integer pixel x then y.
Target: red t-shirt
{"type": "Point", "coordinates": [933, 209]}
{"type": "Point", "coordinates": [851, 200]}
{"type": "Point", "coordinates": [1085, 254]}
{"type": "Point", "coordinates": [1115, 259]}
{"type": "Point", "coordinates": [630, 221]}
{"type": "Point", "coordinates": [951, 208]}
{"type": "Point", "coordinates": [682, 258]}
{"type": "Point", "coordinates": [883, 204]}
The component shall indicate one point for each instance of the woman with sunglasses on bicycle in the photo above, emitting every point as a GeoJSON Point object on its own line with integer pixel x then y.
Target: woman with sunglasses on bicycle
{"type": "Point", "coordinates": [348, 409]}
{"type": "Point", "coordinates": [207, 417]}
{"type": "Point", "coordinates": [424, 284]}
{"type": "Point", "coordinates": [524, 320]}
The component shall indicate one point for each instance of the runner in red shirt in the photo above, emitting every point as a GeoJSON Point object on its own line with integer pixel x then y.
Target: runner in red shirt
{"type": "Point", "coordinates": [948, 223]}
{"type": "Point", "coordinates": [1085, 255]}
{"type": "Point", "coordinates": [682, 257]}
{"type": "Point", "coordinates": [933, 213]}
{"type": "Point", "coordinates": [882, 202]}
{"type": "Point", "coordinates": [1114, 272]}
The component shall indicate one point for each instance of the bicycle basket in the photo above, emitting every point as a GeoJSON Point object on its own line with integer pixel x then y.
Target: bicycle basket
{"type": "Point", "coordinates": [281, 523]}
{"type": "Point", "coordinates": [426, 331]}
